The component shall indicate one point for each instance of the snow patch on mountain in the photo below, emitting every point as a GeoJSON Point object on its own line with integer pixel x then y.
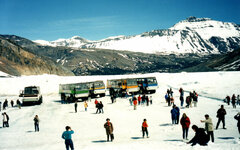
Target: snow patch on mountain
{"type": "Point", "coordinates": [75, 42]}
{"type": "Point", "coordinates": [193, 35]}
{"type": "Point", "coordinates": [207, 28]}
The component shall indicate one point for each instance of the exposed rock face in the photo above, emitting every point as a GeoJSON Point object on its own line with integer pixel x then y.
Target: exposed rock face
{"type": "Point", "coordinates": [14, 60]}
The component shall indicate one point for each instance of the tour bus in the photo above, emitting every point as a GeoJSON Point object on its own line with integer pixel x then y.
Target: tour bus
{"type": "Point", "coordinates": [31, 95]}
{"type": "Point", "coordinates": [147, 85]}
{"type": "Point", "coordinates": [121, 87]}
{"type": "Point", "coordinates": [83, 90]}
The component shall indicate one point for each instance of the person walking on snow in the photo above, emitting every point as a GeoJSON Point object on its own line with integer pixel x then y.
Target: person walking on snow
{"type": "Point", "coordinates": [131, 101]}
{"type": "Point", "coordinates": [19, 104]}
{"type": "Point", "coordinates": [85, 105]}
{"type": "Point", "coordinates": [101, 107]}
{"type": "Point", "coordinates": [185, 122]}
{"type": "Point", "coordinates": [75, 106]}
{"type": "Point", "coordinates": [5, 104]}
{"type": "Point", "coordinates": [147, 100]}
{"type": "Point", "coordinates": [221, 116]}
{"type": "Point", "coordinates": [12, 103]}
{"type": "Point", "coordinates": [188, 100]}
{"type": "Point", "coordinates": [228, 99]}
{"type": "Point", "coordinates": [195, 98]}
{"type": "Point", "coordinates": [109, 129]}
{"type": "Point", "coordinates": [238, 100]}
{"type": "Point", "coordinates": [151, 100]}
{"type": "Point", "coordinates": [98, 107]}
{"type": "Point", "coordinates": [181, 91]}
{"type": "Point", "coordinates": [5, 120]}
{"type": "Point", "coordinates": [174, 115]}
{"type": "Point", "coordinates": [144, 128]}
{"type": "Point", "coordinates": [96, 102]}
{"type": "Point", "coordinates": [67, 136]}
{"type": "Point", "coordinates": [134, 103]}
{"type": "Point", "coordinates": [237, 117]}
{"type": "Point", "coordinates": [208, 126]}
{"type": "Point", "coordinates": [234, 101]}
{"type": "Point", "coordinates": [178, 114]}
{"type": "Point", "coordinates": [36, 123]}
{"type": "Point", "coordinates": [139, 100]}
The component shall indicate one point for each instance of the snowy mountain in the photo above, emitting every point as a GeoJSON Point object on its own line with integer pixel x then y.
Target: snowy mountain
{"type": "Point", "coordinates": [75, 41]}
{"type": "Point", "coordinates": [193, 35]}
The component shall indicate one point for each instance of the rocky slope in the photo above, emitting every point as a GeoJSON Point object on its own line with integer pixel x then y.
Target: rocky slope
{"type": "Point", "coordinates": [103, 61]}
{"type": "Point", "coordinates": [226, 62]}
{"type": "Point", "coordinates": [15, 60]}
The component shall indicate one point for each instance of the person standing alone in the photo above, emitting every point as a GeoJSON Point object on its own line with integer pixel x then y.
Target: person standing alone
{"type": "Point", "coordinates": [36, 123]}
{"type": "Point", "coordinates": [221, 116]}
{"type": "Point", "coordinates": [109, 129]}
{"type": "Point", "coordinates": [67, 136]}
{"type": "Point", "coordinates": [85, 105]}
{"type": "Point", "coordinates": [144, 128]}
{"type": "Point", "coordinates": [75, 106]}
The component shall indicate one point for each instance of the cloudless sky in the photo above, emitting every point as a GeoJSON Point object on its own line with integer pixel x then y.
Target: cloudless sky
{"type": "Point", "coordinates": [99, 19]}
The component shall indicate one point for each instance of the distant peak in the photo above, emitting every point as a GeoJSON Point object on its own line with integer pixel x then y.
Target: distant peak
{"type": "Point", "coordinates": [195, 19]}
{"type": "Point", "coordinates": [75, 37]}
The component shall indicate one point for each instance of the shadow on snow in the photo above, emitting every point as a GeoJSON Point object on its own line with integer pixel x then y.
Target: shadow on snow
{"type": "Point", "coordinates": [165, 124]}
{"type": "Point", "coordinates": [100, 141]}
{"type": "Point", "coordinates": [174, 140]}
{"type": "Point", "coordinates": [136, 138]}
{"type": "Point", "coordinates": [226, 138]}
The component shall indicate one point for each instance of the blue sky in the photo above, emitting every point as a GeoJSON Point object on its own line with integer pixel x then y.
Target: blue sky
{"type": "Point", "coordinates": [98, 19]}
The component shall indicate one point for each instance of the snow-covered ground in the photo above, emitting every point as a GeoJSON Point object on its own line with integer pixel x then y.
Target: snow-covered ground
{"type": "Point", "coordinates": [88, 126]}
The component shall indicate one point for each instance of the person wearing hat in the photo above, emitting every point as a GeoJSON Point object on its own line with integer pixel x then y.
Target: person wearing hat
{"type": "Point", "coordinates": [109, 129]}
{"type": "Point", "coordinates": [237, 117]}
{"type": "Point", "coordinates": [144, 127]}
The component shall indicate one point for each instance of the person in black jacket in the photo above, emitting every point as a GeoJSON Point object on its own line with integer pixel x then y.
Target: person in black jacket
{"type": "Point", "coordinates": [36, 123]}
{"type": "Point", "coordinates": [75, 106]}
{"type": "Point", "coordinates": [237, 117]}
{"type": "Point", "coordinates": [200, 137]}
{"type": "Point", "coordinates": [5, 120]}
{"type": "Point", "coordinates": [101, 107]}
{"type": "Point", "coordinates": [221, 116]}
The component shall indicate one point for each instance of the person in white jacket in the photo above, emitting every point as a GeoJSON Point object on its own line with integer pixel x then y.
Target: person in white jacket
{"type": "Point", "coordinates": [209, 127]}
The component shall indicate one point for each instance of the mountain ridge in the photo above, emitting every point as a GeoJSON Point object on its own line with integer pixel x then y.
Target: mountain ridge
{"type": "Point", "coordinates": [192, 35]}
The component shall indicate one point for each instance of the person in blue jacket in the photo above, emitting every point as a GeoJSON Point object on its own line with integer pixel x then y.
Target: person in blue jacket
{"type": "Point", "coordinates": [67, 136]}
{"type": "Point", "coordinates": [174, 114]}
{"type": "Point", "coordinates": [178, 113]}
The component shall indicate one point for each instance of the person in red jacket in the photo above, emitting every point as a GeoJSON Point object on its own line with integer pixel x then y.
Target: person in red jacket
{"type": "Point", "coordinates": [96, 102]}
{"type": "Point", "coordinates": [139, 100]}
{"type": "Point", "coordinates": [185, 122]}
{"type": "Point", "coordinates": [144, 127]}
{"type": "Point", "coordinates": [135, 103]}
